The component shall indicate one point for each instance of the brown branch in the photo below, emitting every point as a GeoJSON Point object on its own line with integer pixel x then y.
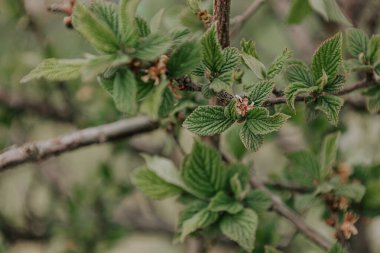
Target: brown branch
{"type": "Point", "coordinates": [44, 109]}
{"type": "Point", "coordinates": [36, 151]}
{"type": "Point", "coordinates": [280, 208]}
{"type": "Point", "coordinates": [222, 18]}
{"type": "Point", "coordinates": [239, 21]}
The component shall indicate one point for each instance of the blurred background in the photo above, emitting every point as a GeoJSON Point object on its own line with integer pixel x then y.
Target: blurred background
{"type": "Point", "coordinates": [83, 201]}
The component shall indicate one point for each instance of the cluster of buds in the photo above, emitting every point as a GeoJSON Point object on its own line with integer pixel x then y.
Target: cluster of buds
{"type": "Point", "coordinates": [243, 106]}
{"type": "Point", "coordinates": [336, 202]}
{"type": "Point", "coordinates": [347, 228]}
{"type": "Point", "coordinates": [66, 8]}
{"type": "Point", "coordinates": [205, 17]}
{"type": "Point", "coordinates": [156, 70]}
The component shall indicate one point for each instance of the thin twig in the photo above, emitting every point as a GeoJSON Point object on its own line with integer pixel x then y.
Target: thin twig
{"type": "Point", "coordinates": [36, 151]}
{"type": "Point", "coordinates": [280, 208]}
{"type": "Point", "coordinates": [238, 22]}
{"type": "Point", "coordinates": [222, 10]}
{"type": "Point", "coordinates": [44, 109]}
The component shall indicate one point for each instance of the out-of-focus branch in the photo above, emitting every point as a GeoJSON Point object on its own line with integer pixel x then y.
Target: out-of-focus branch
{"type": "Point", "coordinates": [239, 21]}
{"type": "Point", "coordinates": [43, 109]}
{"type": "Point", "coordinates": [40, 150]}
{"type": "Point", "coordinates": [280, 208]}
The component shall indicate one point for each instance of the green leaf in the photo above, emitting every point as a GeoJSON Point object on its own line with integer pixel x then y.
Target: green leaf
{"type": "Point", "coordinates": [336, 85]}
{"type": "Point", "coordinates": [231, 59]}
{"type": "Point", "coordinates": [156, 21]}
{"type": "Point", "coordinates": [255, 65]}
{"type": "Point", "coordinates": [357, 41]}
{"type": "Point", "coordinates": [221, 202]}
{"type": "Point", "coordinates": [294, 89]}
{"type": "Point", "coordinates": [373, 49]}
{"type": "Point", "coordinates": [94, 30]}
{"type": "Point", "coordinates": [184, 59]}
{"type": "Point", "coordinates": [299, 9]}
{"type": "Point", "coordinates": [304, 168]}
{"type": "Point", "coordinates": [152, 102]}
{"type": "Point", "coordinates": [248, 47]}
{"type": "Point", "coordinates": [208, 120]}
{"type": "Point", "coordinates": [233, 143]}
{"type": "Point", "coordinates": [260, 122]}
{"type": "Point", "coordinates": [152, 47]}
{"type": "Point", "coordinates": [241, 228]}
{"type": "Point", "coordinates": [56, 70]}
{"type": "Point", "coordinates": [152, 185]}
{"type": "Point", "coordinates": [236, 187]}
{"type": "Point", "coordinates": [330, 106]}
{"type": "Point", "coordinates": [168, 102]}
{"type": "Point", "coordinates": [258, 201]}
{"type": "Point", "coordinates": [352, 191]}
{"type": "Point", "coordinates": [203, 171]}
{"type": "Point", "coordinates": [142, 27]}
{"type": "Point", "coordinates": [329, 153]}
{"type": "Point", "coordinates": [213, 57]}
{"type": "Point", "coordinates": [241, 173]}
{"type": "Point", "coordinates": [261, 92]}
{"type": "Point", "coordinates": [128, 32]}
{"type": "Point", "coordinates": [269, 249]}
{"type": "Point", "coordinates": [125, 92]}
{"type": "Point", "coordinates": [107, 11]}
{"type": "Point", "coordinates": [222, 83]}
{"type": "Point", "coordinates": [373, 99]}
{"type": "Point", "coordinates": [100, 64]}
{"type": "Point", "coordinates": [250, 140]}
{"type": "Point", "coordinates": [199, 220]}
{"type": "Point", "coordinates": [106, 84]}
{"type": "Point", "coordinates": [328, 58]}
{"type": "Point", "coordinates": [278, 64]}
{"type": "Point", "coordinates": [337, 249]}
{"type": "Point", "coordinates": [371, 200]}
{"type": "Point", "coordinates": [330, 10]}
{"type": "Point", "coordinates": [299, 73]}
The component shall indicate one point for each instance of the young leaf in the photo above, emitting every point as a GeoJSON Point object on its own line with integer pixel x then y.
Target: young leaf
{"type": "Point", "coordinates": [258, 201]}
{"type": "Point", "coordinates": [222, 83]}
{"type": "Point", "coordinates": [125, 92]}
{"type": "Point", "coordinates": [241, 228]}
{"type": "Point", "coordinates": [208, 120]}
{"type": "Point", "coordinates": [373, 49]}
{"type": "Point", "coordinates": [106, 84]}
{"type": "Point", "coordinates": [299, 9]}
{"type": "Point", "coordinates": [329, 153]}
{"type": "Point", "coordinates": [250, 140]}
{"type": "Point", "coordinates": [357, 41]}
{"type": "Point", "coordinates": [241, 172]}
{"type": "Point", "coordinates": [330, 106]}
{"type": "Point", "coordinates": [168, 102]}
{"type": "Point", "coordinates": [212, 51]}
{"type": "Point", "coordinates": [184, 59]}
{"type": "Point", "coordinates": [295, 89]}
{"type": "Point", "coordinates": [373, 99]}
{"type": "Point", "coordinates": [233, 143]}
{"type": "Point", "coordinates": [352, 191]}
{"type": "Point", "coordinates": [152, 185]}
{"type": "Point", "coordinates": [231, 59]}
{"type": "Point", "coordinates": [336, 85]}
{"type": "Point", "coordinates": [155, 22]}
{"type": "Point", "coordinates": [255, 65]}
{"type": "Point", "coordinates": [261, 92]}
{"type": "Point", "coordinates": [94, 30]}
{"type": "Point", "coordinates": [221, 202]}
{"type": "Point", "coordinates": [330, 10]}
{"type": "Point", "coordinates": [142, 27]}
{"type": "Point", "coordinates": [107, 11]}
{"type": "Point", "coordinates": [203, 171]}
{"type": "Point", "coordinates": [269, 249]}
{"type": "Point", "coordinates": [248, 47]}
{"type": "Point", "coordinates": [152, 47]}
{"type": "Point", "coordinates": [201, 219]}
{"type": "Point", "coordinates": [100, 64]}
{"type": "Point", "coordinates": [260, 122]}
{"type": "Point", "coordinates": [56, 70]}
{"type": "Point", "coordinates": [276, 67]}
{"type": "Point", "coordinates": [299, 73]}
{"type": "Point", "coordinates": [337, 249]}
{"type": "Point", "coordinates": [303, 169]}
{"type": "Point", "coordinates": [128, 33]}
{"type": "Point", "coordinates": [328, 58]}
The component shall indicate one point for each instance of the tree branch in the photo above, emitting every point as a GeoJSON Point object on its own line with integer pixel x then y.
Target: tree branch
{"type": "Point", "coordinates": [40, 150]}
{"type": "Point", "coordinates": [18, 103]}
{"type": "Point", "coordinates": [222, 18]}
{"type": "Point", "coordinates": [280, 208]}
{"type": "Point", "coordinates": [239, 21]}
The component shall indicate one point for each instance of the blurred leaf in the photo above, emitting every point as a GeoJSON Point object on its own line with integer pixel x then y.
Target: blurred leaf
{"type": "Point", "coordinates": [371, 200]}
{"type": "Point", "coordinates": [99, 64]}
{"type": "Point", "coordinates": [373, 99]}
{"type": "Point", "coordinates": [337, 249]}
{"type": "Point", "coordinates": [330, 106]}
{"type": "Point", "coordinates": [184, 59]}
{"type": "Point", "coordinates": [56, 70]}
{"type": "Point", "coordinates": [269, 249]}
{"type": "Point", "coordinates": [351, 191]}
{"type": "Point", "coordinates": [258, 201]}
{"type": "Point", "coordinates": [128, 33]}
{"type": "Point", "coordinates": [278, 64]}
{"type": "Point", "coordinates": [299, 9]}
{"type": "Point", "coordinates": [107, 11]}
{"type": "Point", "coordinates": [125, 92]}
{"type": "Point", "coordinates": [156, 21]}
{"type": "Point", "coordinates": [221, 202]}
{"type": "Point", "coordinates": [248, 47]}
{"type": "Point", "coordinates": [255, 65]}
{"type": "Point", "coordinates": [329, 153]}
{"type": "Point", "coordinates": [357, 41]}
{"type": "Point", "coordinates": [233, 143]}
{"type": "Point", "coordinates": [330, 10]}
{"type": "Point", "coordinates": [142, 27]}
{"type": "Point", "coordinates": [152, 47]}
{"type": "Point", "coordinates": [168, 102]}
{"type": "Point", "coordinates": [303, 169]}
{"type": "Point", "coordinates": [241, 228]}
{"type": "Point", "coordinates": [373, 49]}
{"type": "Point", "coordinates": [94, 30]}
